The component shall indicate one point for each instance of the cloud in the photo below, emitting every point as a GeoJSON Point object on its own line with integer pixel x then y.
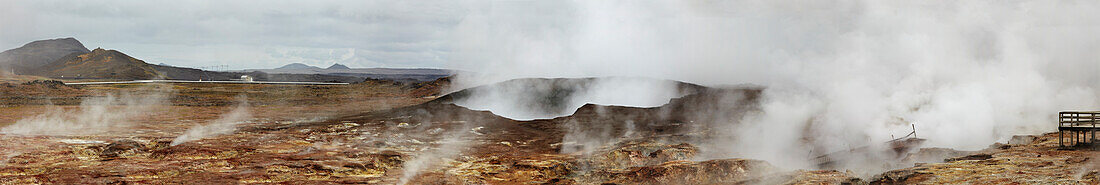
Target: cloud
{"type": "Point", "coordinates": [852, 73]}
{"type": "Point", "coordinates": [203, 33]}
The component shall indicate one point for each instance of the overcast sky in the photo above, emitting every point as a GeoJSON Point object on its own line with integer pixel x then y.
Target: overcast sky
{"type": "Point", "coordinates": [716, 41]}
{"type": "Point", "coordinates": [245, 34]}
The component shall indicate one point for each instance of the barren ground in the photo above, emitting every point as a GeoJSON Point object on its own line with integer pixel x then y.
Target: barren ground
{"type": "Point", "coordinates": [373, 132]}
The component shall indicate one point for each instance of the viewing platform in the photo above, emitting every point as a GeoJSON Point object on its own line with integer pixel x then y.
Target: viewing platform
{"type": "Point", "coordinates": [1081, 126]}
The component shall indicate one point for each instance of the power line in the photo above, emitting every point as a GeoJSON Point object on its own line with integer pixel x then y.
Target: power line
{"type": "Point", "coordinates": [224, 67]}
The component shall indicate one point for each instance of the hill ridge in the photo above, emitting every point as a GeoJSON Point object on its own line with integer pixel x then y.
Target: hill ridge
{"type": "Point", "coordinates": [298, 66]}
{"type": "Point", "coordinates": [338, 66]}
{"type": "Point", "coordinates": [99, 63]}
{"type": "Point", "coordinates": [40, 52]}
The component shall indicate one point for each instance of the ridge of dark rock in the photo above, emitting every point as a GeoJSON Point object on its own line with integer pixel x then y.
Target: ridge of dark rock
{"type": "Point", "coordinates": [39, 53]}
{"type": "Point", "coordinates": [338, 66]}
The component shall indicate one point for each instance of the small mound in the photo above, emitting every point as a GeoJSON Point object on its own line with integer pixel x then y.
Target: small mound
{"type": "Point", "coordinates": [545, 98]}
{"type": "Point", "coordinates": [338, 66]}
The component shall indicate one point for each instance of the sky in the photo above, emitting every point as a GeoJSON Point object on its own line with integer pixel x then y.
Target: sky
{"type": "Point", "coordinates": [701, 41]}
{"type": "Point", "coordinates": [245, 34]}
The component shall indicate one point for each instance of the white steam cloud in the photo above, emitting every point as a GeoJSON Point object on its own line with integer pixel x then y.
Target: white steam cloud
{"type": "Point", "coordinates": [449, 147]}
{"type": "Point", "coordinates": [226, 124]}
{"type": "Point", "coordinates": [95, 115]}
{"type": "Point", "coordinates": [452, 143]}
{"type": "Point", "coordinates": [838, 73]}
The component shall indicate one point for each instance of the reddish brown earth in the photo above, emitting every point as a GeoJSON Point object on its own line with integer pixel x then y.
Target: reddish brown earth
{"type": "Point", "coordinates": [372, 133]}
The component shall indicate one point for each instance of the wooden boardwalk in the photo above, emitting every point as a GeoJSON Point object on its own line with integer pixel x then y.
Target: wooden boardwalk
{"type": "Point", "coordinates": [1081, 126]}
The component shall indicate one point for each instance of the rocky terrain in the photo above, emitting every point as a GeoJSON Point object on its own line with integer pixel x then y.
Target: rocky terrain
{"type": "Point", "coordinates": [416, 140]}
{"type": "Point", "coordinates": [1033, 160]}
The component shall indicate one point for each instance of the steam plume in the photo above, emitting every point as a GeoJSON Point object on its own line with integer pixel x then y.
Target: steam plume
{"type": "Point", "coordinates": [838, 73]}
{"type": "Point", "coordinates": [95, 115]}
{"type": "Point", "coordinates": [226, 124]}
{"type": "Point", "coordinates": [449, 147]}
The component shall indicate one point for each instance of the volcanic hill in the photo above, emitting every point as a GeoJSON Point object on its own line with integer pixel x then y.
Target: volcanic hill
{"type": "Point", "coordinates": [66, 58]}
{"type": "Point", "coordinates": [39, 53]}
{"type": "Point", "coordinates": [338, 66]}
{"type": "Point", "coordinates": [99, 64]}
{"type": "Point", "coordinates": [298, 66]}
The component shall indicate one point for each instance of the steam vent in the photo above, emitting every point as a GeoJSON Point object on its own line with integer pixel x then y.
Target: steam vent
{"type": "Point", "coordinates": [564, 92]}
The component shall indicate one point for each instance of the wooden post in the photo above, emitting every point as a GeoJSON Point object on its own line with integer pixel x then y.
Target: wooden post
{"type": "Point", "coordinates": [914, 130]}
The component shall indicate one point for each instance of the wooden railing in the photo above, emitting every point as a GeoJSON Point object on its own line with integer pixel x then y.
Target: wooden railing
{"type": "Point", "coordinates": [1081, 126]}
{"type": "Point", "coordinates": [1078, 119]}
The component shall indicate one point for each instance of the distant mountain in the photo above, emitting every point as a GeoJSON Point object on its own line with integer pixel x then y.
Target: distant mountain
{"type": "Point", "coordinates": [338, 66]}
{"type": "Point", "coordinates": [39, 53]}
{"type": "Point", "coordinates": [67, 58]}
{"type": "Point", "coordinates": [99, 64]}
{"type": "Point", "coordinates": [298, 66]}
{"type": "Point", "coordinates": [397, 74]}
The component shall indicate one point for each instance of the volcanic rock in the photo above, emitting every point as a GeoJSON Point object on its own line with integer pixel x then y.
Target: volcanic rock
{"type": "Point", "coordinates": [723, 171]}
{"type": "Point", "coordinates": [39, 53]}
{"type": "Point", "coordinates": [99, 64]}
